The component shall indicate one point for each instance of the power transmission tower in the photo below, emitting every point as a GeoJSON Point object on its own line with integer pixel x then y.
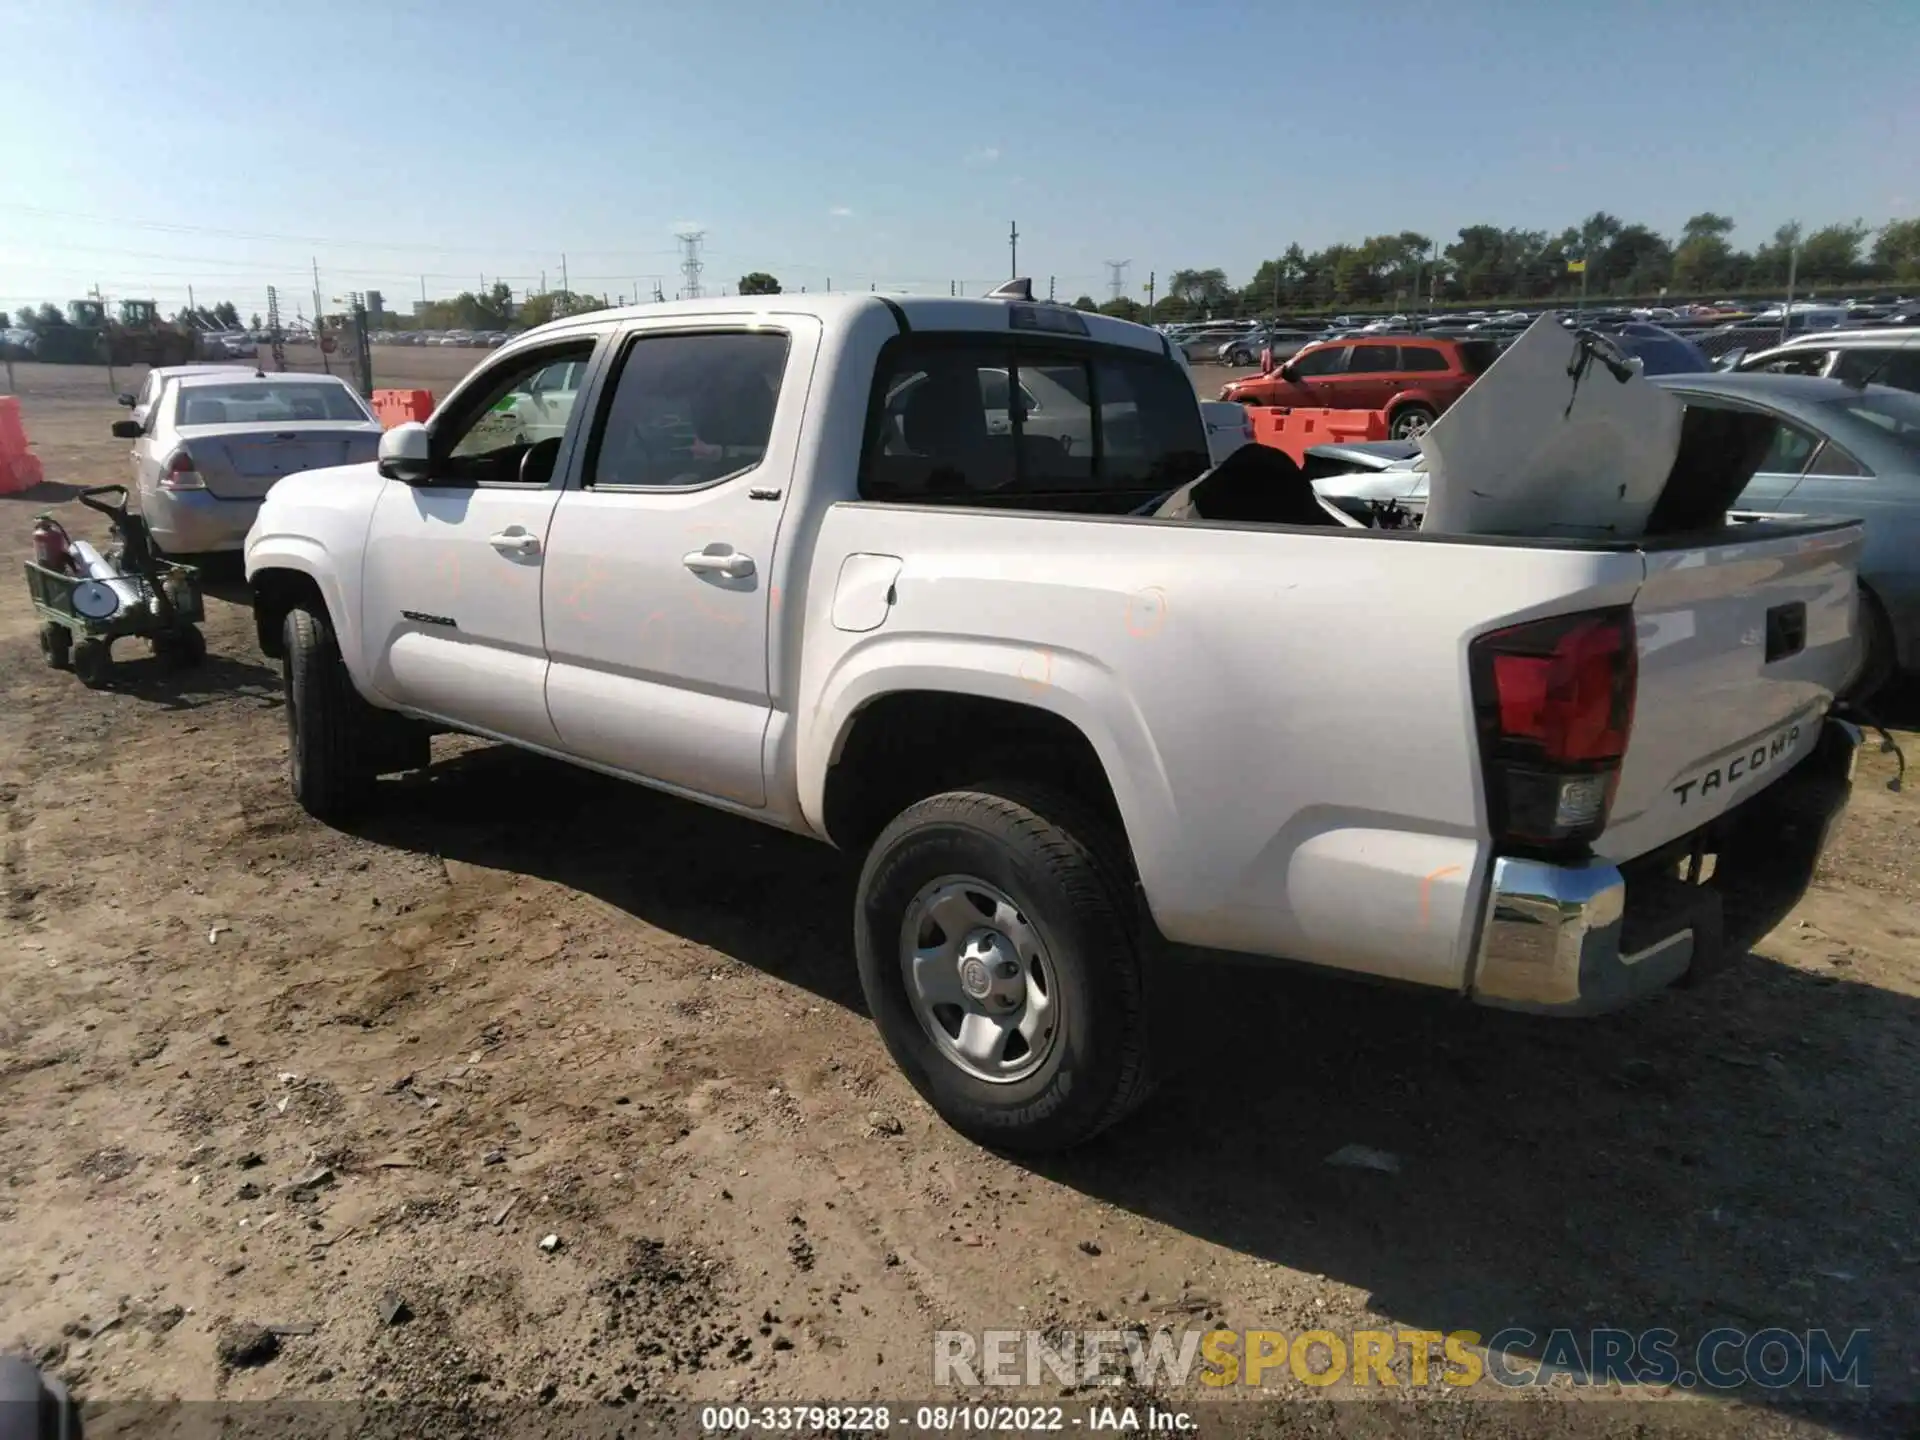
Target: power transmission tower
{"type": "Point", "coordinates": [1117, 277]}
{"type": "Point", "coordinates": [690, 263]}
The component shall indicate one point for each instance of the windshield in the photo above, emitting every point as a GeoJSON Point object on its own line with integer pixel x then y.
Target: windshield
{"type": "Point", "coordinates": [267, 402]}
{"type": "Point", "coordinates": [1897, 412]}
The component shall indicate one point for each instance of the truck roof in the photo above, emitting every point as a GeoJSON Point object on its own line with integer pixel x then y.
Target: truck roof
{"type": "Point", "coordinates": [922, 312]}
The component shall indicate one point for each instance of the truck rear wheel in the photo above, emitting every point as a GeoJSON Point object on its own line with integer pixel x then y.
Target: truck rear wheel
{"type": "Point", "coordinates": [1000, 961]}
{"type": "Point", "coordinates": [329, 762]}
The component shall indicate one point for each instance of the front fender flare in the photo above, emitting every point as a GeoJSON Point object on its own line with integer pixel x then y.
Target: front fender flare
{"type": "Point", "coordinates": [304, 555]}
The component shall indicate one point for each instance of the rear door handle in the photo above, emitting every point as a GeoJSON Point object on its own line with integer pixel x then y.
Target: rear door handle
{"type": "Point", "coordinates": [515, 542]}
{"type": "Point", "coordinates": [730, 563]}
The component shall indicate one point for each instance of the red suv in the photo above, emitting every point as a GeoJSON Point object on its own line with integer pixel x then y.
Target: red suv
{"type": "Point", "coordinates": [1413, 380]}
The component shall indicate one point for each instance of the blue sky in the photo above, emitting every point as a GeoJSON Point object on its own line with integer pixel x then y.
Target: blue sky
{"type": "Point", "coordinates": [891, 141]}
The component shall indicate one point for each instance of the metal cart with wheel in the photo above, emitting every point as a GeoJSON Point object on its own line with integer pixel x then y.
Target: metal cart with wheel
{"type": "Point", "coordinates": [148, 598]}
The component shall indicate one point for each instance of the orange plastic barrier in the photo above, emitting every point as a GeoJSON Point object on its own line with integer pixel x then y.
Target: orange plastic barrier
{"type": "Point", "coordinates": [396, 407]}
{"type": "Point", "coordinates": [19, 466]}
{"type": "Point", "coordinates": [1294, 430]}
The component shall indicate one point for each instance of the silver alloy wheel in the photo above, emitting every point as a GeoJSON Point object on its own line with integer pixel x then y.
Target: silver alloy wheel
{"type": "Point", "coordinates": [979, 978]}
{"type": "Point", "coordinates": [1410, 427]}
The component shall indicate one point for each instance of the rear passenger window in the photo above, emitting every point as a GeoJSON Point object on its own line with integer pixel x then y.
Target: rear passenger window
{"type": "Point", "coordinates": [1372, 359]}
{"type": "Point", "coordinates": [688, 410]}
{"type": "Point", "coordinates": [1791, 449]}
{"type": "Point", "coordinates": [1013, 426]}
{"type": "Point", "coordinates": [1419, 357]}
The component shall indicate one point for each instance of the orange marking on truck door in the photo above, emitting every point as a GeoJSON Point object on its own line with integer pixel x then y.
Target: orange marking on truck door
{"type": "Point", "coordinates": [1426, 888]}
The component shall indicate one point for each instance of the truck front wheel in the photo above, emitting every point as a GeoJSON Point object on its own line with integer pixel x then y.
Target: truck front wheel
{"type": "Point", "coordinates": [329, 762]}
{"type": "Point", "coordinates": [1000, 962]}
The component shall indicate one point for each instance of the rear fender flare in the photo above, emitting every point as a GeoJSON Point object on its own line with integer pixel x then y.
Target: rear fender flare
{"type": "Point", "coordinates": [1072, 686]}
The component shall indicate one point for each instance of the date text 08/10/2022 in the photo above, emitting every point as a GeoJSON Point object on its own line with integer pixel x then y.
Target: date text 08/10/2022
{"type": "Point", "coordinates": [943, 1419]}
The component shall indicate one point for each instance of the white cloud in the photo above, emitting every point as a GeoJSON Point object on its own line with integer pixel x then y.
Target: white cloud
{"type": "Point", "coordinates": [985, 155]}
{"type": "Point", "coordinates": [840, 212]}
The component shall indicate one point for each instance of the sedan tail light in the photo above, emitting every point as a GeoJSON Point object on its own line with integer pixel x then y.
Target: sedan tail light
{"type": "Point", "coordinates": [180, 474]}
{"type": "Point", "coordinates": [1554, 705]}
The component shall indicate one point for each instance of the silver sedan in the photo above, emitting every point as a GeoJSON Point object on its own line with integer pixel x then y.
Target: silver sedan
{"type": "Point", "coordinates": [211, 443]}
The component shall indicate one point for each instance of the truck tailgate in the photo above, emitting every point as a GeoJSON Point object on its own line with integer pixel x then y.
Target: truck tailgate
{"type": "Point", "coordinates": [1742, 646]}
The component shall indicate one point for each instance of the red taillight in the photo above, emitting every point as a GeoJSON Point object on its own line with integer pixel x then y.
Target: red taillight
{"type": "Point", "coordinates": [1554, 699]}
{"type": "Point", "coordinates": [180, 474]}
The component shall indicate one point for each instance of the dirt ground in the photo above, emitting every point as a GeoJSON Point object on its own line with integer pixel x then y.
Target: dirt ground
{"type": "Point", "coordinates": [258, 1071]}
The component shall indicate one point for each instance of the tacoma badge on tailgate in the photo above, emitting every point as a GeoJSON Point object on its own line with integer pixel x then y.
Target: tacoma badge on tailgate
{"type": "Point", "coordinates": [1768, 751]}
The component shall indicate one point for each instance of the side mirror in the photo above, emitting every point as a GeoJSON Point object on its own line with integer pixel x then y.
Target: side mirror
{"type": "Point", "coordinates": [126, 398]}
{"type": "Point", "coordinates": [128, 430]}
{"type": "Point", "coordinates": [405, 453]}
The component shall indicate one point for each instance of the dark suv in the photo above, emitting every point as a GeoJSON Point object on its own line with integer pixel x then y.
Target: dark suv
{"type": "Point", "coordinates": [1414, 379]}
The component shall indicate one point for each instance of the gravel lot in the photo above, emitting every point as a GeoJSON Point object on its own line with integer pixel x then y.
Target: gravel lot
{"type": "Point", "coordinates": [257, 1071]}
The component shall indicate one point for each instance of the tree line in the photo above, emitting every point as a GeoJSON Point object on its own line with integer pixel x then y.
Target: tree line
{"type": "Point", "coordinates": [1487, 262]}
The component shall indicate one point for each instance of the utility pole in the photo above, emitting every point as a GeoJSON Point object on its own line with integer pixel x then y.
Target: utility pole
{"type": "Point", "coordinates": [274, 335]}
{"type": "Point", "coordinates": [1013, 247]}
{"type": "Point", "coordinates": [319, 325]}
{"type": "Point", "coordinates": [423, 289]}
{"type": "Point", "coordinates": [1151, 277]}
{"type": "Point", "coordinates": [1793, 267]}
{"type": "Point", "coordinates": [1050, 289]}
{"type": "Point", "coordinates": [565, 287]}
{"type": "Point", "coordinates": [192, 309]}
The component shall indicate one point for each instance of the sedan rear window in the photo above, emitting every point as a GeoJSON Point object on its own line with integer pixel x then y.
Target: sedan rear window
{"type": "Point", "coordinates": [267, 403]}
{"type": "Point", "coordinates": [1895, 411]}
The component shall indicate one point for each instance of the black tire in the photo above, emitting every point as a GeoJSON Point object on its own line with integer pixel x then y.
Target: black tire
{"type": "Point", "coordinates": [1410, 420]}
{"type": "Point", "coordinates": [331, 739]}
{"type": "Point", "coordinates": [93, 663]}
{"type": "Point", "coordinates": [1067, 873]}
{"type": "Point", "coordinates": [1877, 662]}
{"type": "Point", "coordinates": [56, 643]}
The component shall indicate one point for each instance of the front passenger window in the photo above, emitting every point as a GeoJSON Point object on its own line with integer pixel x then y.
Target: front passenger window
{"type": "Point", "coordinates": [501, 434]}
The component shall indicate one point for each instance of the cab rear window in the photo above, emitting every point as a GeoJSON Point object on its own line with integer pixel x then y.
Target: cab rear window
{"type": "Point", "coordinates": [1029, 424]}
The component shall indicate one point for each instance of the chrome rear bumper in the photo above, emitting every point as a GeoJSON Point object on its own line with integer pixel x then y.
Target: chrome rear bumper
{"type": "Point", "coordinates": [1585, 939]}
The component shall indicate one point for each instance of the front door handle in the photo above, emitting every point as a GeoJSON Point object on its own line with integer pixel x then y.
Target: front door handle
{"type": "Point", "coordinates": [515, 542]}
{"type": "Point", "coordinates": [730, 563]}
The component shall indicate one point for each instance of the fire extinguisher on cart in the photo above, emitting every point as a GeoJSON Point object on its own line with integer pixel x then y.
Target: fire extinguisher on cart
{"type": "Point", "coordinates": [52, 547]}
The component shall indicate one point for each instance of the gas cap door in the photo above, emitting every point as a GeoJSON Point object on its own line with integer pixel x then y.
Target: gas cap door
{"type": "Point", "coordinates": [864, 592]}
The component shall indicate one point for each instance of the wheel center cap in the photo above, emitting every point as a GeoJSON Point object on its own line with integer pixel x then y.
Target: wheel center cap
{"type": "Point", "coordinates": [975, 978]}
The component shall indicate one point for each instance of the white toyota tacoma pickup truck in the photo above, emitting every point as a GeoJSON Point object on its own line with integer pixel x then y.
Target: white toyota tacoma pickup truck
{"type": "Point", "coordinates": [828, 563]}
